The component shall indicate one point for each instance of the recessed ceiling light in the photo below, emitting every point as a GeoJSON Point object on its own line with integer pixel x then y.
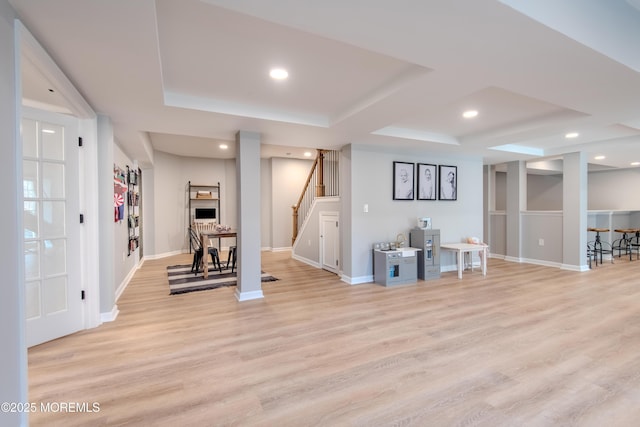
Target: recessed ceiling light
{"type": "Point", "coordinates": [223, 146]}
{"type": "Point", "coordinates": [279, 73]}
{"type": "Point", "coordinates": [572, 135]}
{"type": "Point", "coordinates": [307, 154]}
{"type": "Point", "coordinates": [48, 131]}
{"type": "Point", "coordinates": [635, 163]}
{"type": "Point", "coordinates": [470, 114]}
{"type": "Point", "coordinates": [599, 157]}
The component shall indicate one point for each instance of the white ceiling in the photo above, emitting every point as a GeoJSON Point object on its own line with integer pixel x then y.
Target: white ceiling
{"type": "Point", "coordinates": [187, 75]}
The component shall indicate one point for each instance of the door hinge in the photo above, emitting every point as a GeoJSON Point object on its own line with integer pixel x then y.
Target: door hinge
{"type": "Point", "coordinates": [82, 294]}
{"type": "Point", "coordinates": [81, 218]}
{"type": "Point", "coordinates": [79, 141]}
{"type": "Point", "coordinates": [336, 224]}
{"type": "Point", "coordinates": [336, 263]}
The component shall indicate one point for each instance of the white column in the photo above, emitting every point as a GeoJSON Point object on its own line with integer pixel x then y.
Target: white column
{"type": "Point", "coordinates": [574, 211]}
{"type": "Point", "coordinates": [248, 198]}
{"type": "Point", "coordinates": [516, 203]}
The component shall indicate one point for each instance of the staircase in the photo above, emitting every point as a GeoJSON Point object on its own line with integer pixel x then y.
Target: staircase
{"type": "Point", "coordinates": [321, 182]}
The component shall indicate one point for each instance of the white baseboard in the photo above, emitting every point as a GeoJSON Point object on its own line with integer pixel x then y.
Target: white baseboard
{"type": "Point", "coordinates": [307, 261]}
{"type": "Point", "coordinates": [166, 254]}
{"type": "Point", "coordinates": [110, 316]}
{"type": "Point", "coordinates": [578, 268]}
{"type": "Point", "coordinates": [125, 282]}
{"type": "Point", "coordinates": [247, 296]}
{"type": "Point", "coordinates": [356, 280]}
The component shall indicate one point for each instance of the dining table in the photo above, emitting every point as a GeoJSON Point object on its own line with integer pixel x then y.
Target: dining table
{"type": "Point", "coordinates": [206, 235]}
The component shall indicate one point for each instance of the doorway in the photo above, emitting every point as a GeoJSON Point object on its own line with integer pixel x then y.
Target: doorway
{"type": "Point", "coordinates": [51, 232]}
{"type": "Point", "coordinates": [329, 241]}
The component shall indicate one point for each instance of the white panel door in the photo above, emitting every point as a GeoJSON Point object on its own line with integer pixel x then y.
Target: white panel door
{"type": "Point", "coordinates": [329, 241]}
{"type": "Point", "coordinates": [51, 226]}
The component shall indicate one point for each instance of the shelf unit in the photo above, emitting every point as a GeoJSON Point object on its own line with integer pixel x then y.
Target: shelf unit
{"type": "Point", "coordinates": [203, 196]}
{"type": "Point", "coordinates": [134, 222]}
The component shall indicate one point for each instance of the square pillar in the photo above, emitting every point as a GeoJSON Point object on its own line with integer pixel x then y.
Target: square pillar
{"type": "Point", "coordinates": [248, 198]}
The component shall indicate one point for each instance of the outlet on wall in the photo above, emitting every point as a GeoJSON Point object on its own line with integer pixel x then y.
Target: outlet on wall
{"type": "Point", "coordinates": [540, 242]}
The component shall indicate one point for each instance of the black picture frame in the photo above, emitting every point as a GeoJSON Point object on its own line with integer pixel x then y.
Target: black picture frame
{"type": "Point", "coordinates": [447, 182]}
{"type": "Point", "coordinates": [427, 181]}
{"type": "Point", "coordinates": [403, 181]}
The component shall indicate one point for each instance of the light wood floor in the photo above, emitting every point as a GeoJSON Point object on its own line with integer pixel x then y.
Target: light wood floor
{"type": "Point", "coordinates": [524, 346]}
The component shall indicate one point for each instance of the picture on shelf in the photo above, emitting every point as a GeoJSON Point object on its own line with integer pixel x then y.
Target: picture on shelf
{"type": "Point", "coordinates": [424, 223]}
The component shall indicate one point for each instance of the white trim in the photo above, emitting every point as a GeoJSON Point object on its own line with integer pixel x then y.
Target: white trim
{"type": "Point", "coordinates": [247, 296]}
{"type": "Point", "coordinates": [512, 259]}
{"type": "Point", "coordinates": [306, 261]}
{"type": "Point", "coordinates": [166, 254]}
{"type": "Point", "coordinates": [34, 52]}
{"type": "Point", "coordinates": [125, 282]}
{"type": "Point", "coordinates": [323, 215]}
{"type": "Point", "coordinates": [110, 316]}
{"type": "Point", "coordinates": [570, 267]}
{"type": "Point", "coordinates": [542, 262]}
{"type": "Point", "coordinates": [356, 280]}
{"type": "Point", "coordinates": [288, 248]}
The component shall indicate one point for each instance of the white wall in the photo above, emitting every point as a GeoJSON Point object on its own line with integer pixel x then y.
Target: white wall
{"type": "Point", "coordinates": [371, 184]}
{"type": "Point", "coordinates": [288, 178]}
{"type": "Point", "coordinates": [266, 182]}
{"type": "Point", "coordinates": [607, 190]}
{"type": "Point", "coordinates": [307, 245]}
{"type": "Point", "coordinates": [614, 190]}
{"type": "Point", "coordinates": [123, 263]}
{"type": "Point", "coordinates": [171, 174]}
{"type": "Point", "coordinates": [544, 192]}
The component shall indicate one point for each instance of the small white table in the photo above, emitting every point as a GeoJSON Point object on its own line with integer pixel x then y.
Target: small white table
{"type": "Point", "coordinates": [461, 249]}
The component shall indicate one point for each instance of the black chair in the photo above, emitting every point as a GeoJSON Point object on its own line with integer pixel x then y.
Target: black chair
{"type": "Point", "coordinates": [198, 254]}
{"type": "Point", "coordinates": [232, 257]}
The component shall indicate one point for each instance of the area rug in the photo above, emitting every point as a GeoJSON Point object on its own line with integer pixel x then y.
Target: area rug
{"type": "Point", "coordinates": [182, 280]}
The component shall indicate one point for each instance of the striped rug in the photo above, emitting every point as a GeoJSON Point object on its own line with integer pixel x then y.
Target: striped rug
{"type": "Point", "coordinates": [182, 280]}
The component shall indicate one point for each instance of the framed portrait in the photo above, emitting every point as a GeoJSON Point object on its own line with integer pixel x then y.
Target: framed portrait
{"type": "Point", "coordinates": [427, 179]}
{"type": "Point", "coordinates": [448, 179]}
{"type": "Point", "coordinates": [403, 181]}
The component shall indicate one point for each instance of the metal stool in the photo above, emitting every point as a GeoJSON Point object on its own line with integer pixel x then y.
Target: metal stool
{"type": "Point", "coordinates": [624, 243]}
{"type": "Point", "coordinates": [598, 244]}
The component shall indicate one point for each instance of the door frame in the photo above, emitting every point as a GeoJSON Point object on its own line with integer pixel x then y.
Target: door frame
{"type": "Point", "coordinates": [334, 216]}
{"type": "Point", "coordinates": [88, 166]}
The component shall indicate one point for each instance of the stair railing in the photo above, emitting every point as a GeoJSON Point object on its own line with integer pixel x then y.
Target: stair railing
{"type": "Point", "coordinates": [321, 182]}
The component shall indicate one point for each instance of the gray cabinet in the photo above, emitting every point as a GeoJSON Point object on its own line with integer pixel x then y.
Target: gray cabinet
{"type": "Point", "coordinates": [429, 256]}
{"type": "Point", "coordinates": [395, 267]}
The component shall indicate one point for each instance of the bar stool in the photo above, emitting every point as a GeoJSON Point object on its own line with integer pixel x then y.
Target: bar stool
{"type": "Point", "coordinates": [624, 243]}
{"type": "Point", "coordinates": [597, 244]}
{"type": "Point", "coordinates": [634, 242]}
{"type": "Point", "coordinates": [590, 252]}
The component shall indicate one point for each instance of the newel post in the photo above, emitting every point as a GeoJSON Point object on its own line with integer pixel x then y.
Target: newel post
{"type": "Point", "coordinates": [320, 175]}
